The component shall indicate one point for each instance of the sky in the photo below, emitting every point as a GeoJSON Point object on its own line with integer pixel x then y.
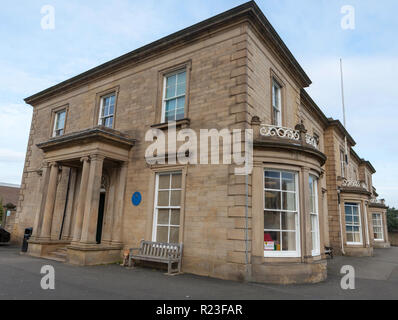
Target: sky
{"type": "Point", "coordinates": [88, 33]}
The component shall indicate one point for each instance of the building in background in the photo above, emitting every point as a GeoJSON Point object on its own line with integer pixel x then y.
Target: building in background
{"type": "Point", "coordinates": [9, 194]}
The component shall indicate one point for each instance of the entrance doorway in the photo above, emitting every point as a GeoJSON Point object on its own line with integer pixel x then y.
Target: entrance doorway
{"type": "Point", "coordinates": [100, 220]}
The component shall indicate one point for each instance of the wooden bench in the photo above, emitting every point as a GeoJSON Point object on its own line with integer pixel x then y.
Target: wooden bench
{"type": "Point", "coordinates": [329, 251]}
{"type": "Point", "coordinates": [169, 253]}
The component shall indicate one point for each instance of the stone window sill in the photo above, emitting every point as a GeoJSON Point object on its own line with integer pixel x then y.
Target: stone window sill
{"type": "Point", "coordinates": [183, 123]}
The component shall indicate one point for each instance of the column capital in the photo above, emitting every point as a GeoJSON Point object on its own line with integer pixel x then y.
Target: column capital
{"type": "Point", "coordinates": [97, 157]}
{"type": "Point", "coordinates": [53, 164]}
{"type": "Point", "coordinates": [45, 164]}
{"type": "Point", "coordinates": [85, 159]}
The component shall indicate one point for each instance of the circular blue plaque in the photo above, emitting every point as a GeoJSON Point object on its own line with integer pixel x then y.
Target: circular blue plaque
{"type": "Point", "coordinates": [136, 198]}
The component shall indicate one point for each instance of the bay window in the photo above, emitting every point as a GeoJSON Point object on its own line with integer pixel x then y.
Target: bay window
{"type": "Point", "coordinates": [314, 215]}
{"type": "Point", "coordinates": [353, 223]}
{"type": "Point", "coordinates": [281, 231]}
{"type": "Point", "coordinates": [377, 226]}
{"type": "Point", "coordinates": [167, 207]}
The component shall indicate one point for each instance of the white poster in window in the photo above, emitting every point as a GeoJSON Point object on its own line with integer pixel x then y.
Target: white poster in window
{"type": "Point", "coordinates": [269, 245]}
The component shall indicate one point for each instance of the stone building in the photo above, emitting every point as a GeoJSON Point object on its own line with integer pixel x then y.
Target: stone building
{"type": "Point", "coordinates": [9, 198]}
{"type": "Point", "coordinates": [87, 157]}
{"type": "Point", "coordinates": [357, 219]}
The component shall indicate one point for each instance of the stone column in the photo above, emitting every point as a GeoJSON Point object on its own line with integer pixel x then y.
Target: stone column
{"type": "Point", "coordinates": [385, 227]}
{"type": "Point", "coordinates": [306, 239]}
{"type": "Point", "coordinates": [45, 176]}
{"type": "Point", "coordinates": [258, 214]}
{"type": "Point", "coordinates": [366, 241]}
{"type": "Point", "coordinates": [69, 206]}
{"type": "Point", "coordinates": [90, 218]}
{"type": "Point", "coordinates": [45, 233]}
{"type": "Point", "coordinates": [81, 202]}
{"type": "Point", "coordinates": [117, 230]}
{"type": "Point", "coordinates": [110, 208]}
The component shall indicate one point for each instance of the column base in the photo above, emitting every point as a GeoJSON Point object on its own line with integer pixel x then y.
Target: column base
{"type": "Point", "coordinates": [381, 245]}
{"type": "Point", "coordinates": [358, 251]}
{"type": "Point", "coordinates": [93, 254]}
{"type": "Point", "coordinates": [41, 248]}
{"type": "Point", "coordinates": [289, 273]}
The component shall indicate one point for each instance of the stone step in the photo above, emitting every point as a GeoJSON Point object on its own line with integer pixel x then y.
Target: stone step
{"type": "Point", "coordinates": [54, 258]}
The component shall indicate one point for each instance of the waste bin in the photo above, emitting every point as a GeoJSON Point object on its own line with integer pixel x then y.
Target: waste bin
{"type": "Point", "coordinates": [26, 237]}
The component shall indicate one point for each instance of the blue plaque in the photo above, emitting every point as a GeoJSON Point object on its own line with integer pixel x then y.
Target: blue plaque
{"type": "Point", "coordinates": [136, 199]}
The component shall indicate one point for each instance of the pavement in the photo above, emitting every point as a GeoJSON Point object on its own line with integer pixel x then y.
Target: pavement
{"type": "Point", "coordinates": [376, 278]}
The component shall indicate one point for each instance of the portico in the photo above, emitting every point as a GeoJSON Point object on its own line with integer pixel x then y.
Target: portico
{"type": "Point", "coordinates": [87, 216]}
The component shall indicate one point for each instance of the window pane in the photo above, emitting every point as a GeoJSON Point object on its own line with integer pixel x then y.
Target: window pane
{"type": "Point", "coordinates": [272, 180]}
{"type": "Point", "coordinates": [163, 198]}
{"type": "Point", "coordinates": [175, 217]}
{"type": "Point", "coordinates": [170, 116]}
{"type": "Point", "coordinates": [314, 223]}
{"type": "Point", "coordinates": [164, 181]}
{"type": "Point", "coordinates": [272, 236]}
{"type": "Point", "coordinates": [289, 201]}
{"type": "Point", "coordinates": [175, 198]}
{"type": "Point", "coordinates": [288, 181]}
{"type": "Point", "coordinates": [176, 181]}
{"type": "Point", "coordinates": [272, 220]}
{"type": "Point", "coordinates": [271, 183]}
{"type": "Point", "coordinates": [350, 237]}
{"type": "Point", "coordinates": [181, 102]}
{"type": "Point", "coordinates": [163, 216]}
{"type": "Point", "coordinates": [272, 200]}
{"type": "Point", "coordinates": [170, 105]}
{"type": "Point", "coordinates": [357, 237]}
{"type": "Point", "coordinates": [162, 234]}
{"type": "Point", "coordinates": [181, 78]}
{"type": "Point", "coordinates": [179, 114]}
{"type": "Point", "coordinates": [288, 221]}
{"type": "Point", "coordinates": [170, 92]}
{"type": "Point", "coordinates": [288, 241]}
{"type": "Point", "coordinates": [174, 234]}
{"type": "Point", "coordinates": [180, 89]}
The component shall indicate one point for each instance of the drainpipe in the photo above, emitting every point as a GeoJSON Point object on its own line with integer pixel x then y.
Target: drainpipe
{"type": "Point", "coordinates": [247, 224]}
{"type": "Point", "coordinates": [341, 222]}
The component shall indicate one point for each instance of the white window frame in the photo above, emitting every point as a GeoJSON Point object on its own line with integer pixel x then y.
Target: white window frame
{"type": "Point", "coordinates": [56, 121]}
{"type": "Point", "coordinates": [157, 207]}
{"type": "Point", "coordinates": [287, 254]}
{"type": "Point", "coordinates": [342, 163]}
{"type": "Point", "coordinates": [353, 204]}
{"type": "Point", "coordinates": [379, 219]}
{"type": "Point", "coordinates": [317, 250]}
{"type": "Point", "coordinates": [101, 118]}
{"type": "Point", "coordinates": [164, 100]}
{"type": "Point", "coordinates": [276, 89]}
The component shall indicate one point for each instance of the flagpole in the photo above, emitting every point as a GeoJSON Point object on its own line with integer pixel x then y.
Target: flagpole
{"type": "Point", "coordinates": [343, 103]}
